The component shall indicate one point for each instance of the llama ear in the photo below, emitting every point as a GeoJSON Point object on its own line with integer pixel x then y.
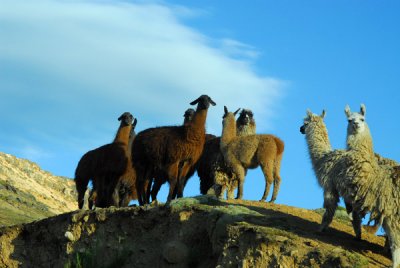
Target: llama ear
{"type": "Point", "coordinates": [211, 101]}
{"type": "Point", "coordinates": [236, 111]}
{"type": "Point", "coordinates": [323, 114]}
{"type": "Point", "coordinates": [225, 110]}
{"type": "Point", "coordinates": [134, 122]}
{"type": "Point", "coordinates": [347, 110]}
{"type": "Point", "coordinates": [195, 101]}
{"type": "Point", "coordinates": [309, 113]}
{"type": "Point", "coordinates": [363, 109]}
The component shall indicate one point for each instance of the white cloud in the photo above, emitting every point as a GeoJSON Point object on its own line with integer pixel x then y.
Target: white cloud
{"type": "Point", "coordinates": [72, 67]}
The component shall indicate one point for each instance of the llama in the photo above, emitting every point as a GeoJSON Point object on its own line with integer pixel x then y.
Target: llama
{"type": "Point", "coordinates": [125, 191]}
{"type": "Point", "coordinates": [107, 162]}
{"type": "Point", "coordinates": [170, 150]}
{"type": "Point", "coordinates": [251, 151]}
{"type": "Point", "coordinates": [323, 159]}
{"type": "Point", "coordinates": [356, 176]}
{"type": "Point", "coordinates": [159, 177]}
{"type": "Point", "coordinates": [356, 129]}
{"type": "Point", "coordinates": [371, 187]}
{"type": "Point", "coordinates": [126, 187]}
{"type": "Point", "coordinates": [212, 169]}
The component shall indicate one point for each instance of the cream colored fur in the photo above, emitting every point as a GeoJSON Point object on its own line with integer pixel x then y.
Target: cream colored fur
{"type": "Point", "coordinates": [242, 153]}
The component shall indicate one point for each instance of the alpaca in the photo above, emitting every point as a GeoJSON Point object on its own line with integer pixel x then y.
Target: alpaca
{"type": "Point", "coordinates": [107, 162]}
{"type": "Point", "coordinates": [212, 169]}
{"type": "Point", "coordinates": [251, 151]}
{"type": "Point", "coordinates": [170, 150]}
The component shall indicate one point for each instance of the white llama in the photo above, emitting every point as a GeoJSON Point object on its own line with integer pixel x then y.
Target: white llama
{"type": "Point", "coordinates": [371, 187]}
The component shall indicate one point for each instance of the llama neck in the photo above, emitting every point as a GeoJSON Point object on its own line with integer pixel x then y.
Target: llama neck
{"type": "Point", "coordinates": [122, 135]}
{"type": "Point", "coordinates": [196, 129]}
{"type": "Point", "coordinates": [318, 142]}
{"type": "Point", "coordinates": [360, 141]}
{"type": "Point", "coordinates": [130, 141]}
{"type": "Point", "coordinates": [249, 129]}
{"type": "Point", "coordinates": [228, 130]}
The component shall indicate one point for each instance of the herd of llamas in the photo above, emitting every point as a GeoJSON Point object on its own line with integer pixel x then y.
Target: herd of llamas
{"type": "Point", "coordinates": [135, 166]}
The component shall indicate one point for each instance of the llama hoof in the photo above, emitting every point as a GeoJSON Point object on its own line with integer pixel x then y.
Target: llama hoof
{"type": "Point", "coordinates": [358, 239]}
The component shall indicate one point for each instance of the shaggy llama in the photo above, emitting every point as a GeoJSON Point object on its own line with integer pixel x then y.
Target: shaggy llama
{"type": "Point", "coordinates": [251, 151]}
{"type": "Point", "coordinates": [356, 176]}
{"type": "Point", "coordinates": [373, 188]}
{"type": "Point", "coordinates": [356, 130]}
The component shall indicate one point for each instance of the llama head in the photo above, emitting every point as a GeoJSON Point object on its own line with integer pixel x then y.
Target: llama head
{"type": "Point", "coordinates": [245, 123]}
{"type": "Point", "coordinates": [312, 120]}
{"type": "Point", "coordinates": [356, 121]}
{"type": "Point", "coordinates": [203, 102]}
{"type": "Point", "coordinates": [245, 117]}
{"type": "Point", "coordinates": [188, 115]}
{"type": "Point", "coordinates": [126, 119]}
{"type": "Point", "coordinates": [229, 116]}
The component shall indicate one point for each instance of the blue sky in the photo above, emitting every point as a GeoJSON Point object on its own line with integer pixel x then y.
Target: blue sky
{"type": "Point", "coordinates": [68, 69]}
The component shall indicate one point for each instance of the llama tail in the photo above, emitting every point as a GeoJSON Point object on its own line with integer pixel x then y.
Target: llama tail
{"type": "Point", "coordinates": [279, 154]}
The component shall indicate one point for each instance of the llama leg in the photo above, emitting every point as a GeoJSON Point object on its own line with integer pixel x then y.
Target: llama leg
{"type": "Point", "coordinates": [173, 180]}
{"type": "Point", "coordinates": [330, 204]}
{"type": "Point", "coordinates": [182, 179]}
{"type": "Point", "coordinates": [357, 224]}
{"type": "Point", "coordinates": [239, 173]}
{"type": "Point", "coordinates": [232, 186]}
{"type": "Point", "coordinates": [267, 169]}
{"type": "Point", "coordinates": [81, 189]}
{"type": "Point", "coordinates": [391, 227]}
{"type": "Point", "coordinates": [277, 183]}
{"type": "Point", "coordinates": [155, 189]}
{"type": "Point", "coordinates": [222, 192]}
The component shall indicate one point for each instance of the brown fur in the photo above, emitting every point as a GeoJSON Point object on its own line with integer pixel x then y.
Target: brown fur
{"type": "Point", "coordinates": [104, 166]}
{"type": "Point", "coordinates": [171, 151]}
{"type": "Point", "coordinates": [241, 153]}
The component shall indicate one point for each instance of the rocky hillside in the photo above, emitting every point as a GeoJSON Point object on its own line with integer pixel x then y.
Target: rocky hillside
{"type": "Point", "coordinates": [28, 193]}
{"type": "Point", "coordinates": [192, 232]}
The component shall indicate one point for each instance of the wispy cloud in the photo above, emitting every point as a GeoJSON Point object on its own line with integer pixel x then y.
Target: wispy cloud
{"type": "Point", "coordinates": [70, 68]}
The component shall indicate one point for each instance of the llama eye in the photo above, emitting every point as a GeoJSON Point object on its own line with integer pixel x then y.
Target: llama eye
{"type": "Point", "coordinates": [362, 119]}
{"type": "Point", "coordinates": [349, 121]}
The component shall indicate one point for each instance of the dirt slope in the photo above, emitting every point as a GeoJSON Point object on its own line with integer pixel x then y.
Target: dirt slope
{"type": "Point", "coordinates": [28, 193]}
{"type": "Point", "coordinates": [192, 232]}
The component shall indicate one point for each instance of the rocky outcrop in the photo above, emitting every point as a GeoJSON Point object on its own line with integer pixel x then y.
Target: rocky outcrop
{"type": "Point", "coordinates": [191, 232]}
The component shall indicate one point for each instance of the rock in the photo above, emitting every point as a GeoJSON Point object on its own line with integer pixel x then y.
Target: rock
{"type": "Point", "coordinates": [175, 252]}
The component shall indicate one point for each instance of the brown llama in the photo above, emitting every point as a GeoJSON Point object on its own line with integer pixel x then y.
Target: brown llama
{"type": "Point", "coordinates": [171, 150]}
{"type": "Point", "coordinates": [251, 151]}
{"type": "Point", "coordinates": [104, 166]}
{"type": "Point", "coordinates": [159, 177]}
